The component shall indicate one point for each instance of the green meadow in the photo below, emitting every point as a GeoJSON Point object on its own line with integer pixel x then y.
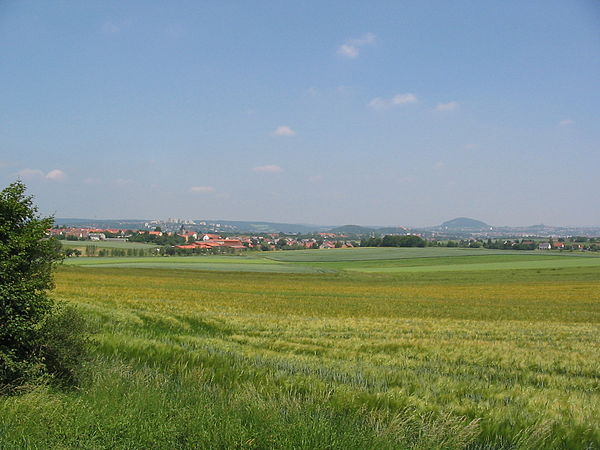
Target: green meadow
{"type": "Point", "coordinates": [349, 349]}
{"type": "Point", "coordinates": [379, 253]}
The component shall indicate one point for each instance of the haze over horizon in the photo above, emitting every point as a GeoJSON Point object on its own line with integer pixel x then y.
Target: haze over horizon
{"type": "Point", "coordinates": [404, 114]}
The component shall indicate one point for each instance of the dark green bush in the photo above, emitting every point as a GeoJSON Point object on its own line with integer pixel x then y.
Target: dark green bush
{"type": "Point", "coordinates": [63, 344]}
{"type": "Point", "coordinates": [31, 344]}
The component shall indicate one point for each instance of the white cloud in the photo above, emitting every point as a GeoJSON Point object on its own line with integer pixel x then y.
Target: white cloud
{"type": "Point", "coordinates": [439, 165]}
{"type": "Point", "coordinates": [312, 91]}
{"type": "Point", "coordinates": [365, 39]}
{"type": "Point", "coordinates": [315, 178]}
{"type": "Point", "coordinates": [378, 103]}
{"type": "Point", "coordinates": [56, 175]}
{"type": "Point", "coordinates": [348, 51]}
{"type": "Point", "coordinates": [402, 99]}
{"type": "Point", "coordinates": [397, 100]}
{"type": "Point", "coordinates": [31, 173]}
{"type": "Point", "coordinates": [203, 189]}
{"type": "Point", "coordinates": [351, 48]}
{"type": "Point", "coordinates": [450, 106]}
{"type": "Point", "coordinates": [566, 122]}
{"type": "Point", "coordinates": [53, 175]}
{"type": "Point", "coordinates": [269, 168]}
{"type": "Point", "coordinates": [284, 130]}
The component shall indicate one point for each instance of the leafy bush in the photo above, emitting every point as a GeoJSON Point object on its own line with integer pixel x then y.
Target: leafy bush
{"type": "Point", "coordinates": [63, 344]}
{"type": "Point", "coordinates": [27, 260]}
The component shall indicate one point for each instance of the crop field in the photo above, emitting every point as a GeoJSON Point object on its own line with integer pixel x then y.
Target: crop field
{"type": "Point", "coordinates": [211, 263]}
{"type": "Point", "coordinates": [378, 254]}
{"type": "Point", "coordinates": [345, 358]}
{"type": "Point", "coordinates": [107, 244]}
{"type": "Point", "coordinates": [377, 260]}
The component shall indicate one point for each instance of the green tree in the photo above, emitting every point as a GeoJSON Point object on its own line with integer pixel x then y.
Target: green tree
{"type": "Point", "coordinates": [27, 259]}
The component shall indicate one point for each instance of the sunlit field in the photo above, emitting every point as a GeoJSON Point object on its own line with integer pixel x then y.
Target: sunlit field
{"type": "Point", "coordinates": [350, 357]}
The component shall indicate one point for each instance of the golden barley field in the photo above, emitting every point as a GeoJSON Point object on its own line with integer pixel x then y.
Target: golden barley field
{"type": "Point", "coordinates": [344, 359]}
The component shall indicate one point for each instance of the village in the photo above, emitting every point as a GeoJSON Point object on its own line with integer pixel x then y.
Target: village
{"type": "Point", "coordinates": [192, 240]}
{"type": "Point", "coordinates": [184, 242]}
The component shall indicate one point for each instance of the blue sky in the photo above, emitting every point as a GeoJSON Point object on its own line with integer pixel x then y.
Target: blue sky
{"type": "Point", "coordinates": [379, 113]}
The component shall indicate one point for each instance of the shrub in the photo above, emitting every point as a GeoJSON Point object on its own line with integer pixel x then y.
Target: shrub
{"type": "Point", "coordinates": [63, 344]}
{"type": "Point", "coordinates": [27, 259]}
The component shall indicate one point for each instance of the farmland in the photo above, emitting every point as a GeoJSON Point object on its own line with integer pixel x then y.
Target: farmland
{"type": "Point", "coordinates": [365, 348]}
{"type": "Point", "coordinates": [107, 244]}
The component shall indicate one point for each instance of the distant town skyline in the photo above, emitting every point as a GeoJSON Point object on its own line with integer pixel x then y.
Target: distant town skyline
{"type": "Point", "coordinates": [394, 114]}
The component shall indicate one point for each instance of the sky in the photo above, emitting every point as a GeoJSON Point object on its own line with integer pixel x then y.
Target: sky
{"type": "Point", "coordinates": [373, 113]}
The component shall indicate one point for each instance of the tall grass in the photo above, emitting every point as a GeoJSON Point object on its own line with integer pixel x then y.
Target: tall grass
{"type": "Point", "coordinates": [187, 359]}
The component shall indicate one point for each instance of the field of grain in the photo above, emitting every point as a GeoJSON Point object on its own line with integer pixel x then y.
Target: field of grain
{"type": "Point", "coordinates": [205, 263]}
{"type": "Point", "coordinates": [503, 358]}
{"type": "Point", "coordinates": [107, 244]}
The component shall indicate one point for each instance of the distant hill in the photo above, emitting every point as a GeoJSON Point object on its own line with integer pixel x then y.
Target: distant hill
{"type": "Point", "coordinates": [465, 223]}
{"type": "Point", "coordinates": [351, 229]}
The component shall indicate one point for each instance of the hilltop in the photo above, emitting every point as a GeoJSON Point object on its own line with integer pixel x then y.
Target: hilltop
{"type": "Point", "coordinates": [465, 223]}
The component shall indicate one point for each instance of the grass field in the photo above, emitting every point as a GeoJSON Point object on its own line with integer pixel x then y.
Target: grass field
{"type": "Point", "coordinates": [378, 260]}
{"type": "Point", "coordinates": [378, 254]}
{"type": "Point", "coordinates": [210, 263]}
{"type": "Point", "coordinates": [426, 358]}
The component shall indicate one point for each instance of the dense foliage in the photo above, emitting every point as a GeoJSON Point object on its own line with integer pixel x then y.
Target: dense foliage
{"type": "Point", "coordinates": [157, 239]}
{"type": "Point", "coordinates": [27, 259]}
{"type": "Point", "coordinates": [394, 241]}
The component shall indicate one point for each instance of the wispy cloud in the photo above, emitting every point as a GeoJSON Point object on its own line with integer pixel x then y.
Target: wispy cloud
{"type": "Point", "coordinates": [56, 175]}
{"type": "Point", "coordinates": [344, 90]}
{"type": "Point", "coordinates": [348, 51]}
{"type": "Point", "coordinates": [31, 173]}
{"type": "Point", "coordinates": [378, 103]}
{"type": "Point", "coordinates": [439, 165]}
{"type": "Point", "coordinates": [110, 28]}
{"type": "Point", "coordinates": [284, 130]}
{"type": "Point", "coordinates": [396, 100]}
{"type": "Point", "coordinates": [5, 164]}
{"type": "Point", "coordinates": [269, 168]}
{"type": "Point", "coordinates": [351, 48]}
{"type": "Point", "coordinates": [406, 180]}
{"type": "Point", "coordinates": [53, 175]}
{"type": "Point", "coordinates": [202, 189]}
{"type": "Point", "coordinates": [566, 122]}
{"type": "Point", "coordinates": [123, 182]}
{"type": "Point", "coordinates": [450, 106]}
{"type": "Point", "coordinates": [403, 99]}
